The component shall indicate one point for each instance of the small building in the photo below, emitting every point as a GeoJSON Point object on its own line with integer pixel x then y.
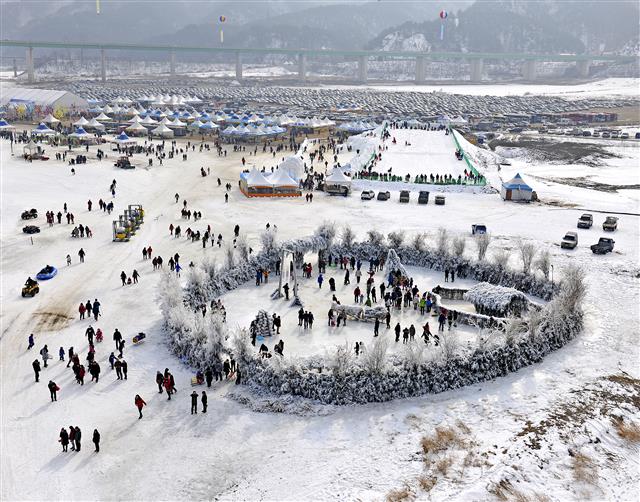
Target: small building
{"type": "Point", "coordinates": [254, 184]}
{"type": "Point", "coordinates": [337, 183]}
{"type": "Point", "coordinates": [516, 190]}
{"type": "Point", "coordinates": [497, 301]}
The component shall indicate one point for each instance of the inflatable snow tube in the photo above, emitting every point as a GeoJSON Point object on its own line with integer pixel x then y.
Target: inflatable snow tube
{"type": "Point", "coordinates": [47, 273]}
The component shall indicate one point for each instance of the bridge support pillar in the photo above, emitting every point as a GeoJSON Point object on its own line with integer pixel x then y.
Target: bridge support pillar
{"type": "Point", "coordinates": [583, 68]}
{"type": "Point", "coordinates": [302, 67]}
{"type": "Point", "coordinates": [238, 66]}
{"type": "Point", "coordinates": [420, 62]}
{"type": "Point", "coordinates": [30, 70]}
{"type": "Point", "coordinates": [477, 67]}
{"type": "Point", "coordinates": [363, 62]}
{"type": "Point", "coordinates": [103, 66]}
{"type": "Point", "coordinates": [529, 70]}
{"type": "Point", "coordinates": [15, 67]}
{"type": "Point", "coordinates": [172, 64]}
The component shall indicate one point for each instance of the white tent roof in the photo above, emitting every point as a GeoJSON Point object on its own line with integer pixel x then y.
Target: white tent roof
{"type": "Point", "coordinates": [148, 121]}
{"type": "Point", "coordinates": [338, 177]}
{"type": "Point", "coordinates": [95, 124]}
{"type": "Point", "coordinates": [50, 119]}
{"type": "Point", "coordinates": [102, 117]}
{"type": "Point", "coordinates": [81, 122]}
{"type": "Point", "coordinates": [256, 178]}
{"type": "Point", "coordinates": [293, 166]}
{"type": "Point", "coordinates": [162, 130]}
{"type": "Point", "coordinates": [282, 179]}
{"type": "Point", "coordinates": [42, 97]}
{"type": "Point", "coordinates": [136, 126]}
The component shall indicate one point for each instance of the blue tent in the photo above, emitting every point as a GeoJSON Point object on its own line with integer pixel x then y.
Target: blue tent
{"type": "Point", "coordinates": [516, 189]}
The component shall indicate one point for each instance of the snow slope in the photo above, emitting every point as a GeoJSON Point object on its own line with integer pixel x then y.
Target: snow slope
{"type": "Point", "coordinates": [233, 452]}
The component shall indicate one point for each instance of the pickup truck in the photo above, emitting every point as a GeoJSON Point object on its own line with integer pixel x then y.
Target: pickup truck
{"type": "Point", "coordinates": [604, 245]}
{"type": "Point", "coordinates": [610, 224]}
{"type": "Point", "coordinates": [404, 196]}
{"type": "Point", "coordinates": [585, 221]}
{"type": "Point", "coordinates": [423, 197]}
{"type": "Point", "coordinates": [569, 241]}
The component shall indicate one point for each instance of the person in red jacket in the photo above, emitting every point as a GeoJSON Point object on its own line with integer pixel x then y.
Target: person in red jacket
{"type": "Point", "coordinates": [167, 385]}
{"type": "Point", "coordinates": [82, 309]}
{"type": "Point", "coordinates": [139, 402]}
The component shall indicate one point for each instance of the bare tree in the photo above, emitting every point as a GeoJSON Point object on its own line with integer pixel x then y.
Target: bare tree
{"type": "Point", "coordinates": [482, 243]}
{"type": "Point", "coordinates": [527, 254]}
{"type": "Point", "coordinates": [449, 344]}
{"type": "Point", "coordinates": [328, 231]}
{"type": "Point", "coordinates": [341, 361]}
{"type": "Point", "coordinates": [348, 237]}
{"type": "Point", "coordinates": [375, 238]}
{"type": "Point", "coordinates": [268, 240]}
{"type": "Point", "coordinates": [543, 263]}
{"type": "Point", "coordinates": [395, 238]}
{"type": "Point", "coordinates": [243, 247]}
{"type": "Point", "coordinates": [574, 288]}
{"type": "Point", "coordinates": [501, 258]}
{"type": "Point", "coordinates": [418, 242]}
{"type": "Point", "coordinates": [376, 357]}
{"type": "Point", "coordinates": [442, 241]}
{"type": "Point", "coordinates": [459, 244]}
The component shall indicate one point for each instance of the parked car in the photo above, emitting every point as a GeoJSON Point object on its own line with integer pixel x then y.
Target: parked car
{"type": "Point", "coordinates": [638, 135]}
{"type": "Point", "coordinates": [604, 245]}
{"type": "Point", "coordinates": [478, 229]}
{"type": "Point", "coordinates": [615, 134]}
{"type": "Point", "coordinates": [610, 224]}
{"type": "Point", "coordinates": [596, 134]}
{"type": "Point", "coordinates": [404, 196]}
{"type": "Point", "coordinates": [423, 197]}
{"type": "Point", "coordinates": [606, 134]}
{"type": "Point", "coordinates": [624, 135]}
{"type": "Point", "coordinates": [439, 200]}
{"type": "Point", "coordinates": [569, 241]}
{"type": "Point", "coordinates": [367, 195]}
{"type": "Point", "coordinates": [31, 229]}
{"type": "Point", "coordinates": [585, 221]}
{"type": "Point", "coordinates": [384, 195]}
{"type": "Point", "coordinates": [586, 133]}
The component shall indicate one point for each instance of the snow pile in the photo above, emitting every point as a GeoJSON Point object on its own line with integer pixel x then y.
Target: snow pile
{"type": "Point", "coordinates": [366, 145]}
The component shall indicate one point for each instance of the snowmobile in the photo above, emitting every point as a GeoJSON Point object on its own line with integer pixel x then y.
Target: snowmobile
{"type": "Point", "coordinates": [124, 163]}
{"type": "Point", "coordinates": [31, 229]}
{"type": "Point", "coordinates": [30, 288]}
{"type": "Point", "coordinates": [29, 215]}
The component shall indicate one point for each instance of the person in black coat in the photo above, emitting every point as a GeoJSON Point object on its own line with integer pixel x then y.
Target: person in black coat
{"type": "Point", "coordinates": [208, 375]}
{"type": "Point", "coordinates": [194, 402]}
{"type": "Point", "coordinates": [117, 336]}
{"type": "Point", "coordinates": [53, 390]}
{"type": "Point", "coordinates": [77, 438]}
{"type": "Point", "coordinates": [96, 439]}
{"type": "Point", "coordinates": [64, 439]}
{"type": "Point", "coordinates": [36, 369]}
{"type": "Point", "coordinates": [159, 381]}
{"type": "Point", "coordinates": [204, 401]}
{"type": "Point", "coordinates": [124, 368]}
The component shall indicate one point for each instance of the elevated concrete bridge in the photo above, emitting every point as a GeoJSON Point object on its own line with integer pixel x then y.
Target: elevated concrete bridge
{"type": "Point", "coordinates": [529, 61]}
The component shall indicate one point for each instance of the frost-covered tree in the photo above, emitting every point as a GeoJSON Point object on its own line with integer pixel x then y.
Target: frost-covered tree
{"type": "Point", "coordinates": [375, 238]}
{"type": "Point", "coordinates": [395, 238]}
{"type": "Point", "coordinates": [513, 328]}
{"type": "Point", "coordinates": [375, 359]}
{"type": "Point", "coordinates": [458, 245]}
{"type": "Point", "coordinates": [327, 230]}
{"type": "Point", "coordinates": [501, 258]}
{"type": "Point", "coordinates": [543, 263]}
{"type": "Point", "coordinates": [341, 360]}
{"type": "Point", "coordinates": [198, 285]}
{"type": "Point", "coordinates": [442, 241]}
{"type": "Point", "coordinates": [419, 242]}
{"type": "Point", "coordinates": [209, 267]}
{"type": "Point", "coordinates": [243, 248]}
{"type": "Point", "coordinates": [170, 292]}
{"type": "Point", "coordinates": [268, 241]}
{"type": "Point", "coordinates": [229, 256]}
{"type": "Point", "coordinates": [527, 254]}
{"type": "Point", "coordinates": [240, 346]}
{"type": "Point", "coordinates": [414, 354]}
{"type": "Point", "coordinates": [449, 345]}
{"type": "Point", "coordinates": [348, 237]}
{"type": "Point", "coordinates": [394, 265]}
{"type": "Point", "coordinates": [482, 243]}
{"type": "Point", "coordinates": [574, 288]}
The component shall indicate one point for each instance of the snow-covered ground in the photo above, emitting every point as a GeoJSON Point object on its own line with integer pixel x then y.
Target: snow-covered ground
{"type": "Point", "coordinates": [523, 426]}
{"type": "Point", "coordinates": [598, 88]}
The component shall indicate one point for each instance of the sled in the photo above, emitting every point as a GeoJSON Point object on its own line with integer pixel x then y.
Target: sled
{"type": "Point", "coordinates": [47, 273]}
{"type": "Point", "coordinates": [194, 381]}
{"type": "Point", "coordinates": [139, 338]}
{"type": "Point", "coordinates": [30, 290]}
